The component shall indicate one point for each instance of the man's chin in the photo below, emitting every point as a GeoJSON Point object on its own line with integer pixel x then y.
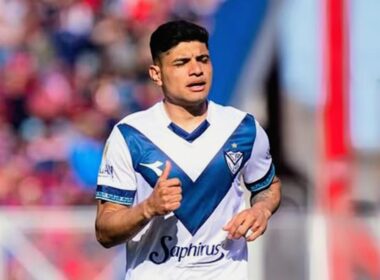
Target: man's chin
{"type": "Point", "coordinates": [189, 103]}
{"type": "Point", "coordinates": [192, 99]}
{"type": "Point", "coordinates": [195, 102]}
{"type": "Point", "coordinates": [197, 98]}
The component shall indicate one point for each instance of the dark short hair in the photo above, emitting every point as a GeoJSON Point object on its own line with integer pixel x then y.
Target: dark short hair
{"type": "Point", "coordinates": [170, 34]}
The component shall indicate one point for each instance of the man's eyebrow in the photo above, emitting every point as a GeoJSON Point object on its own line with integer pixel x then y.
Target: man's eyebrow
{"type": "Point", "coordinates": [185, 58]}
{"type": "Point", "coordinates": [204, 55]}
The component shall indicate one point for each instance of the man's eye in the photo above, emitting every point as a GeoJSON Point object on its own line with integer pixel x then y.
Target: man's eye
{"type": "Point", "coordinates": [180, 63]}
{"type": "Point", "coordinates": [205, 59]}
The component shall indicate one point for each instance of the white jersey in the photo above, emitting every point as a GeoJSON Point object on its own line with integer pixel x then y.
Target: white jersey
{"type": "Point", "coordinates": [188, 243]}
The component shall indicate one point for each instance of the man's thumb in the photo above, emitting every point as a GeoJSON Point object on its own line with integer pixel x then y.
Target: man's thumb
{"type": "Point", "coordinates": [166, 172]}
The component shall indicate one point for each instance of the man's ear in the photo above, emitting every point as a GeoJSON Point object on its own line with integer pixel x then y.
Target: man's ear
{"type": "Point", "coordinates": [155, 74]}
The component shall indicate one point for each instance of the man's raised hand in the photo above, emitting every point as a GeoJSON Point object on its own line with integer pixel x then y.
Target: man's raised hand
{"type": "Point", "coordinates": [166, 196]}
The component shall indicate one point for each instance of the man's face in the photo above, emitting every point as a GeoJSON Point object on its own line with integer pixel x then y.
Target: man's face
{"type": "Point", "coordinates": [184, 72]}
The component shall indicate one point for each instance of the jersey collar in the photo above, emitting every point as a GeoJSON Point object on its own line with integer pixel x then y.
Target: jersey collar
{"type": "Point", "coordinates": [189, 137]}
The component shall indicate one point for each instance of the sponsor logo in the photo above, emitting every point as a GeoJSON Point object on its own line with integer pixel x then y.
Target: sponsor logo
{"type": "Point", "coordinates": [234, 160]}
{"type": "Point", "coordinates": [106, 170]}
{"type": "Point", "coordinates": [181, 252]}
{"type": "Point", "coordinates": [154, 167]}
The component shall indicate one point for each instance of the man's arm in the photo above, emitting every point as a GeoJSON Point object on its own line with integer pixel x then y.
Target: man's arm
{"type": "Point", "coordinates": [269, 198]}
{"type": "Point", "coordinates": [252, 222]}
{"type": "Point", "coordinates": [117, 223]}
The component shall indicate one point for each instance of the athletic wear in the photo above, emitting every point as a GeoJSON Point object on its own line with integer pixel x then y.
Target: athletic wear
{"type": "Point", "coordinates": [190, 242]}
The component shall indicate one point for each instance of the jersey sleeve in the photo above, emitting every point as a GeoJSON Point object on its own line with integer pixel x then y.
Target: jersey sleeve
{"type": "Point", "coordinates": [116, 176]}
{"type": "Point", "coordinates": [259, 171]}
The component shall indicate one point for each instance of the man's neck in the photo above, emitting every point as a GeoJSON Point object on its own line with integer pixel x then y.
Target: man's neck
{"type": "Point", "coordinates": [188, 118]}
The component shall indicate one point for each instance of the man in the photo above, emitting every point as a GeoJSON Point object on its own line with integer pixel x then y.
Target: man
{"type": "Point", "coordinates": [169, 182]}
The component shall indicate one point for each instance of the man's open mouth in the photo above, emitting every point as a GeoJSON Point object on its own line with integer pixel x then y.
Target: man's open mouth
{"type": "Point", "coordinates": [197, 86]}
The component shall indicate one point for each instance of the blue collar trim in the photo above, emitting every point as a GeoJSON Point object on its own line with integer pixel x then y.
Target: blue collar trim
{"type": "Point", "coordinates": [189, 137]}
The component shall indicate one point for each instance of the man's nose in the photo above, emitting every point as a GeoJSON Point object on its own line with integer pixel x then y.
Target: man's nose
{"type": "Point", "coordinates": [196, 68]}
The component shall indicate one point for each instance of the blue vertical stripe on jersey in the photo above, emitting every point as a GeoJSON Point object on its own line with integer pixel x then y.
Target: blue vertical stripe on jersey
{"type": "Point", "coordinates": [199, 198]}
{"type": "Point", "coordinates": [115, 195]}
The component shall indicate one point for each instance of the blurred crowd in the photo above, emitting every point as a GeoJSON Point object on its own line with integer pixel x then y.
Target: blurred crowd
{"type": "Point", "coordinates": [69, 70]}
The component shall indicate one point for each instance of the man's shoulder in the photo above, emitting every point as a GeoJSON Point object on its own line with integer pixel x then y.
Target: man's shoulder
{"type": "Point", "coordinates": [226, 109]}
{"type": "Point", "coordinates": [229, 111]}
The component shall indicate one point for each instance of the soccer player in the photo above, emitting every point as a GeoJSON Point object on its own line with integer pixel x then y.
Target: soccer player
{"type": "Point", "coordinates": [169, 185]}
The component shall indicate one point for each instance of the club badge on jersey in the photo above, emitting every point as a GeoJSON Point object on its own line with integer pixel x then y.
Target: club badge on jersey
{"type": "Point", "coordinates": [234, 160]}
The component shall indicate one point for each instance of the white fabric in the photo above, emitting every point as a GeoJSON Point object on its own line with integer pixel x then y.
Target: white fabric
{"type": "Point", "coordinates": [166, 248]}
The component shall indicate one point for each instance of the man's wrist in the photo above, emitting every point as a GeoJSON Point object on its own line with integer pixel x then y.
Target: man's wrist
{"type": "Point", "coordinates": [263, 207]}
{"type": "Point", "coordinates": [148, 213]}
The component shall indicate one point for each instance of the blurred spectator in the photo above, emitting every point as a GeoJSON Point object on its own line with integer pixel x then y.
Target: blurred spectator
{"type": "Point", "coordinates": [68, 71]}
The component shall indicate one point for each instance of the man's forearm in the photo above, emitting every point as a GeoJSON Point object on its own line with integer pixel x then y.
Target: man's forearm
{"type": "Point", "coordinates": [269, 198]}
{"type": "Point", "coordinates": [115, 224]}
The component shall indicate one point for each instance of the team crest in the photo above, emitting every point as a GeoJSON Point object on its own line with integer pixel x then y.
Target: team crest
{"type": "Point", "coordinates": [234, 160]}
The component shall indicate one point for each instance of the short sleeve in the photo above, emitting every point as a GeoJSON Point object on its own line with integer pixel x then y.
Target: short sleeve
{"type": "Point", "coordinates": [116, 176]}
{"type": "Point", "coordinates": [259, 171]}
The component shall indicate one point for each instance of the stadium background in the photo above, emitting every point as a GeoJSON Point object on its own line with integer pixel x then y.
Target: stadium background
{"type": "Point", "coordinates": [308, 70]}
